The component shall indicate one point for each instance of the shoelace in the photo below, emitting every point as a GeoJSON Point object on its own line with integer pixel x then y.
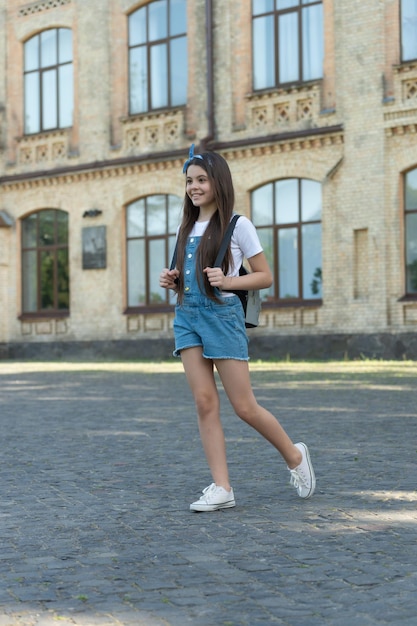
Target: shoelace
{"type": "Point", "coordinates": [206, 492]}
{"type": "Point", "coordinates": [298, 479]}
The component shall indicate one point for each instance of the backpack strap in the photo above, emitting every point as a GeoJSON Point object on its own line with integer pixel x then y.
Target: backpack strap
{"type": "Point", "coordinates": [174, 256]}
{"type": "Point", "coordinates": [223, 247]}
{"type": "Point", "coordinates": [226, 240]}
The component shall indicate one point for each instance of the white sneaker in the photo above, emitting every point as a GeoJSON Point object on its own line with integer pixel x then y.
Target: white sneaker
{"type": "Point", "coordinates": [302, 476]}
{"type": "Point", "coordinates": [213, 499]}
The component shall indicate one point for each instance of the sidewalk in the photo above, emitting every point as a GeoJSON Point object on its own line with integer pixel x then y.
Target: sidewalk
{"type": "Point", "coordinates": [99, 464]}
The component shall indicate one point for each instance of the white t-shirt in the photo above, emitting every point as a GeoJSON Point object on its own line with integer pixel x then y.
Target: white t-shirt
{"type": "Point", "coordinates": [244, 243]}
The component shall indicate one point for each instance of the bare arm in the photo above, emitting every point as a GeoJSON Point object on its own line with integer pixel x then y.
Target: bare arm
{"type": "Point", "coordinates": [259, 278]}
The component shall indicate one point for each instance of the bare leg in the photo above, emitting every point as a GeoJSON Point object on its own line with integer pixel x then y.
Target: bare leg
{"type": "Point", "coordinates": [236, 381]}
{"type": "Point", "coordinates": [200, 377]}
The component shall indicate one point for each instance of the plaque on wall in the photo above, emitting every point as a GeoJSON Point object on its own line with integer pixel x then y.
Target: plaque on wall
{"type": "Point", "coordinates": [94, 247]}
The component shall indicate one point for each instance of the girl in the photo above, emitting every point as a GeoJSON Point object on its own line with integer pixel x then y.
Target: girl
{"type": "Point", "coordinates": [209, 324]}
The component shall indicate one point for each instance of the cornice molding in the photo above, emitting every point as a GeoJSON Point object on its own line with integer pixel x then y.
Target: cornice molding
{"type": "Point", "coordinates": [401, 129]}
{"type": "Point", "coordinates": [102, 170]}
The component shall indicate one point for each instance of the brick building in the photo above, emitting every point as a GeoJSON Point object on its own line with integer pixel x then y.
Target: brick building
{"type": "Point", "coordinates": [314, 105]}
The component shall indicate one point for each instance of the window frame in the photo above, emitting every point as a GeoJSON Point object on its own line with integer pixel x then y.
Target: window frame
{"type": "Point", "coordinates": [275, 299]}
{"type": "Point", "coordinates": [277, 14]}
{"type": "Point", "coordinates": [409, 59]}
{"type": "Point", "coordinates": [409, 295]}
{"type": "Point", "coordinates": [168, 237]}
{"type": "Point", "coordinates": [39, 248]}
{"type": "Point", "coordinates": [41, 71]}
{"type": "Point", "coordinates": [149, 45]}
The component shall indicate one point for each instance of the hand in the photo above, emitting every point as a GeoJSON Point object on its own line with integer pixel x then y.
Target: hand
{"type": "Point", "coordinates": [215, 277]}
{"type": "Point", "coordinates": [167, 279]}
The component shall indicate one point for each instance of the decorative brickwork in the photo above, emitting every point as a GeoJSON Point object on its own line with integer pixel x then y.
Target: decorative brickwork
{"type": "Point", "coordinates": [400, 114]}
{"type": "Point", "coordinates": [153, 132]}
{"type": "Point", "coordinates": [37, 7]}
{"type": "Point", "coordinates": [291, 110]}
{"type": "Point", "coordinates": [354, 130]}
{"type": "Point", "coordinates": [43, 148]}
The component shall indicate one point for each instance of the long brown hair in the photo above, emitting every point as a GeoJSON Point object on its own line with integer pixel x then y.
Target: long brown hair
{"type": "Point", "coordinates": [219, 175]}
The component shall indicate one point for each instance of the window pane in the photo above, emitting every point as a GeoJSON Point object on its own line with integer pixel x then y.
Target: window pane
{"type": "Point", "coordinates": [312, 18]}
{"type": "Point", "coordinates": [49, 48]}
{"type": "Point", "coordinates": [174, 213]}
{"type": "Point", "coordinates": [63, 279]}
{"type": "Point", "coordinates": [266, 237]}
{"type": "Point", "coordinates": [62, 227]}
{"type": "Point", "coordinates": [45, 270]}
{"type": "Point", "coordinates": [136, 219]}
{"type": "Point", "coordinates": [32, 54]}
{"type": "Point", "coordinates": [288, 47]}
{"type": "Point", "coordinates": [263, 52]}
{"type": "Point", "coordinates": [178, 70]}
{"type": "Point", "coordinates": [65, 45]}
{"type": "Point", "coordinates": [310, 200]}
{"type": "Point", "coordinates": [158, 26]}
{"type": "Point", "coordinates": [159, 77]}
{"type": "Point", "coordinates": [29, 231]}
{"type": "Point", "coordinates": [137, 27]}
{"type": "Point", "coordinates": [157, 294]}
{"type": "Point", "coordinates": [138, 79]}
{"type": "Point", "coordinates": [66, 95]}
{"type": "Point", "coordinates": [49, 100]}
{"type": "Point", "coordinates": [288, 263]}
{"type": "Point", "coordinates": [409, 29]}
{"type": "Point", "coordinates": [47, 278]}
{"type": "Point", "coordinates": [30, 281]}
{"type": "Point", "coordinates": [286, 201]}
{"type": "Point", "coordinates": [136, 289]}
{"type": "Point", "coordinates": [263, 205]}
{"type": "Point", "coordinates": [32, 102]}
{"type": "Point", "coordinates": [411, 190]}
{"type": "Point", "coordinates": [178, 17]}
{"type": "Point", "coordinates": [286, 4]}
{"type": "Point", "coordinates": [156, 215]}
{"type": "Point", "coordinates": [311, 255]}
{"type": "Point", "coordinates": [411, 252]}
{"type": "Point", "coordinates": [47, 228]}
{"type": "Point", "coordinates": [262, 6]}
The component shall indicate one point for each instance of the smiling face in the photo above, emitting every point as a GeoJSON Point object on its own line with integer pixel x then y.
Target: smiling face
{"type": "Point", "coordinates": [199, 189]}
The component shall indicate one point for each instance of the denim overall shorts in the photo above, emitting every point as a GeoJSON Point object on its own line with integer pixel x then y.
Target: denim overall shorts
{"type": "Point", "coordinates": [219, 328]}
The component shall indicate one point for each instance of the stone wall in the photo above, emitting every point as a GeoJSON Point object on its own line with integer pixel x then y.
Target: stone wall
{"type": "Point", "coordinates": [354, 131]}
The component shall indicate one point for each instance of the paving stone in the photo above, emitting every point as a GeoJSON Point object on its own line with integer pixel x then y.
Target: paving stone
{"type": "Point", "coordinates": [98, 471]}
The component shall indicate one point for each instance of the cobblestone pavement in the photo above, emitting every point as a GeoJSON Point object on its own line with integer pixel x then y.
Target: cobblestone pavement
{"type": "Point", "coordinates": [99, 464]}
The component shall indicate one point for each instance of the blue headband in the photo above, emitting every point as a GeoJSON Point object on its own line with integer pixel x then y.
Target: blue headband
{"type": "Point", "coordinates": [191, 156]}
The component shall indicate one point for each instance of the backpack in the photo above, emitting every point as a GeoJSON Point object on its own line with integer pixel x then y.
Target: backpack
{"type": "Point", "coordinates": [250, 299]}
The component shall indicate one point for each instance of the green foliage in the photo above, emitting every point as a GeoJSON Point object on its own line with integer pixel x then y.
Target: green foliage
{"type": "Point", "coordinates": [412, 268]}
{"type": "Point", "coordinates": [316, 282]}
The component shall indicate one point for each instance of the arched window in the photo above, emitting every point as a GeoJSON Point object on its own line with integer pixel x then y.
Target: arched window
{"type": "Point", "coordinates": [411, 232]}
{"type": "Point", "coordinates": [151, 225]}
{"type": "Point", "coordinates": [45, 267]}
{"type": "Point", "coordinates": [158, 56]}
{"type": "Point", "coordinates": [408, 30]}
{"type": "Point", "coordinates": [48, 81]}
{"type": "Point", "coordinates": [287, 215]}
{"type": "Point", "coordinates": [287, 42]}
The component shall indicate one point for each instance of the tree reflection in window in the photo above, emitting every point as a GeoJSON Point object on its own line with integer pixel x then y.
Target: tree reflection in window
{"type": "Point", "coordinates": [411, 231]}
{"type": "Point", "coordinates": [45, 263]}
{"type": "Point", "coordinates": [287, 215]}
